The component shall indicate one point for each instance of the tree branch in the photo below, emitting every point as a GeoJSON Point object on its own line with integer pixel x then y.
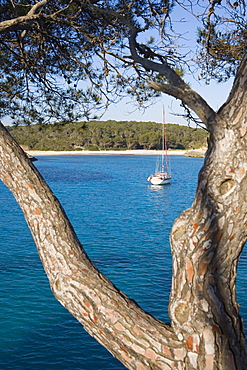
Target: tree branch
{"type": "Point", "coordinates": [190, 98]}
{"type": "Point", "coordinates": [176, 86]}
{"type": "Point", "coordinates": [24, 21]}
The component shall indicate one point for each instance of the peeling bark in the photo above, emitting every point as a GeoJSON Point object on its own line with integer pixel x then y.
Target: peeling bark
{"type": "Point", "coordinates": [133, 336]}
{"type": "Point", "coordinates": [206, 331]}
{"type": "Point", "coordinates": [207, 241]}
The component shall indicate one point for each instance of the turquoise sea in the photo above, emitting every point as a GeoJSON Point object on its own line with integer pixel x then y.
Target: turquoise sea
{"type": "Point", "coordinates": [123, 223]}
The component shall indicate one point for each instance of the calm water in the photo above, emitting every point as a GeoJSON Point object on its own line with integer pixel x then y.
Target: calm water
{"type": "Point", "coordinates": [124, 225]}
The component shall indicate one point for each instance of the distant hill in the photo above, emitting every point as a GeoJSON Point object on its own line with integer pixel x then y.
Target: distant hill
{"type": "Point", "coordinates": [103, 135]}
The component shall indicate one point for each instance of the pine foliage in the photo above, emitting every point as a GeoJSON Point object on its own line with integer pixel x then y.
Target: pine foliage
{"type": "Point", "coordinates": [105, 135]}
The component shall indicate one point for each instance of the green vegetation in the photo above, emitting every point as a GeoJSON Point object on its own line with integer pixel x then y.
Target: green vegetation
{"type": "Point", "coordinates": [103, 135]}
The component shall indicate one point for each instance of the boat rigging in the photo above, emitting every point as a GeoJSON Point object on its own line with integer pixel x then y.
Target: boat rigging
{"type": "Point", "coordinates": [162, 175]}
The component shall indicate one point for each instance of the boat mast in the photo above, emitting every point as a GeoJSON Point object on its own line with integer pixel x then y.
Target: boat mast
{"type": "Point", "coordinates": [164, 146]}
{"type": "Point", "coordinates": [163, 141]}
{"type": "Point", "coordinates": [167, 164]}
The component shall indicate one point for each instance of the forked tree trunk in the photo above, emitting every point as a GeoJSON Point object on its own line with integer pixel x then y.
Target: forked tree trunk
{"type": "Point", "coordinates": [206, 331]}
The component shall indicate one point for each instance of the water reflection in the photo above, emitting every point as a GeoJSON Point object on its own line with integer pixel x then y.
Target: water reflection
{"type": "Point", "coordinates": [158, 187]}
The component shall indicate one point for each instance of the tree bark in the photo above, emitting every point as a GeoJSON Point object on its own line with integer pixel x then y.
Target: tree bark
{"type": "Point", "coordinates": [23, 22]}
{"type": "Point", "coordinates": [206, 331]}
{"type": "Point", "coordinates": [133, 336]}
{"type": "Point", "coordinates": [207, 240]}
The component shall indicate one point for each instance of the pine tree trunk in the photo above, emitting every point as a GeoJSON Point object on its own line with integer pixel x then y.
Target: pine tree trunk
{"type": "Point", "coordinates": [137, 339]}
{"type": "Point", "coordinates": [207, 241]}
{"type": "Point", "coordinates": [206, 331]}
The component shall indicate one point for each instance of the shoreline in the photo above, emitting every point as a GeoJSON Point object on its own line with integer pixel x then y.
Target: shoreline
{"type": "Point", "coordinates": [36, 153]}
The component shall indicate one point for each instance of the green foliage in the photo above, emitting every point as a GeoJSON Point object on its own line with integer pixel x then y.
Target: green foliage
{"type": "Point", "coordinates": [104, 135]}
{"type": "Point", "coordinates": [69, 59]}
{"type": "Point", "coordinates": [221, 38]}
{"type": "Point", "coordinates": [64, 60]}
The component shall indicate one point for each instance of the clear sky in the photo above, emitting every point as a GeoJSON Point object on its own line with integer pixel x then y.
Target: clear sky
{"type": "Point", "coordinates": [215, 95]}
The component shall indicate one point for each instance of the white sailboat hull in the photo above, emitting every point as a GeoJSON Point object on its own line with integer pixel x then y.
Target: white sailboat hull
{"type": "Point", "coordinates": [159, 179]}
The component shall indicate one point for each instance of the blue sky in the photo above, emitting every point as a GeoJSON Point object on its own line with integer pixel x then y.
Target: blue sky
{"type": "Point", "coordinates": [215, 95]}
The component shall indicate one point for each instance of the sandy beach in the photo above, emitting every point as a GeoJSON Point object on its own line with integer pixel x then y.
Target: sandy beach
{"type": "Point", "coordinates": [36, 153]}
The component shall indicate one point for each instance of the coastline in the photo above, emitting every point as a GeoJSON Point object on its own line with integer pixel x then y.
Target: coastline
{"type": "Point", "coordinates": [36, 153]}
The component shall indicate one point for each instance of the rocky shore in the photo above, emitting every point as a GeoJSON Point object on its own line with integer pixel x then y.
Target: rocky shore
{"type": "Point", "coordinates": [197, 153]}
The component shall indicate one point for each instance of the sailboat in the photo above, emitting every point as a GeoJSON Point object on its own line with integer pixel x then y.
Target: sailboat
{"type": "Point", "coordinates": [162, 175]}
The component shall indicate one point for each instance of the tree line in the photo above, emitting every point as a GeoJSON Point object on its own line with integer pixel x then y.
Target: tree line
{"type": "Point", "coordinates": [104, 135]}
